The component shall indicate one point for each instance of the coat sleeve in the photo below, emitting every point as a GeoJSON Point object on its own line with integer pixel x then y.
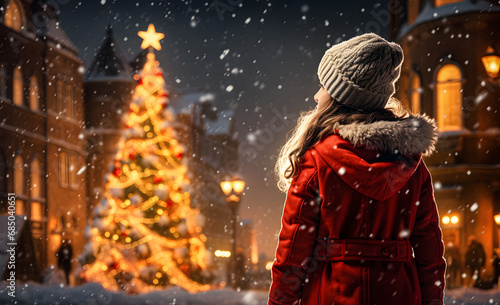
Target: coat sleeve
{"type": "Point", "coordinates": [428, 245]}
{"type": "Point", "coordinates": [299, 226]}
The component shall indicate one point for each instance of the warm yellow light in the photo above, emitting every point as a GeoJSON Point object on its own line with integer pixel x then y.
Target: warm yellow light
{"type": "Point", "coordinates": [159, 211]}
{"type": "Point", "coordinates": [128, 239]}
{"type": "Point", "coordinates": [238, 186]}
{"type": "Point", "coordinates": [107, 234]}
{"type": "Point", "coordinates": [446, 220]}
{"type": "Point", "coordinates": [454, 219]}
{"type": "Point", "coordinates": [226, 187]}
{"type": "Point", "coordinates": [104, 267]}
{"type": "Point", "coordinates": [491, 62]}
{"type": "Point", "coordinates": [115, 237]}
{"type": "Point", "coordinates": [222, 253]}
{"type": "Point", "coordinates": [158, 274]}
{"type": "Point", "coordinates": [98, 238]}
{"type": "Point", "coordinates": [155, 281]}
{"type": "Point", "coordinates": [151, 38]}
{"type": "Point", "coordinates": [146, 128]}
{"type": "Point", "coordinates": [497, 219]}
{"type": "Point", "coordinates": [269, 265]}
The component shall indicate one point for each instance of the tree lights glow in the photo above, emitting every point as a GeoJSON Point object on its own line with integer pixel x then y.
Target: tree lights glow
{"type": "Point", "coordinates": [144, 234]}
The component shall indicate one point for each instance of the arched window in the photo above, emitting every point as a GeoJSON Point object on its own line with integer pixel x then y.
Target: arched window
{"type": "Point", "coordinates": [17, 86]}
{"type": "Point", "coordinates": [19, 184]}
{"type": "Point", "coordinates": [415, 93]}
{"type": "Point", "coordinates": [439, 3]}
{"type": "Point", "coordinates": [449, 98]}
{"type": "Point", "coordinates": [34, 93]}
{"type": "Point", "coordinates": [14, 16]}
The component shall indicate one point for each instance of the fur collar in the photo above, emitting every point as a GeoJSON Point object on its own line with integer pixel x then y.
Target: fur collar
{"type": "Point", "coordinates": [413, 135]}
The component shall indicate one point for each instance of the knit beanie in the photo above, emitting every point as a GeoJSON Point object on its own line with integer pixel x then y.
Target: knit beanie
{"type": "Point", "coordinates": [360, 72]}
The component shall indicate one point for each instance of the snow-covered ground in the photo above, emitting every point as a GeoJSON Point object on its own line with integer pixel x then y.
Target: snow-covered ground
{"type": "Point", "coordinates": [94, 294]}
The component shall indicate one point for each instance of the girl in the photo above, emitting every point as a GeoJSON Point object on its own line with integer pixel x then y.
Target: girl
{"type": "Point", "coordinates": [360, 223]}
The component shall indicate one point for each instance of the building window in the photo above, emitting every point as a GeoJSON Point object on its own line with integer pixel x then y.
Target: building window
{"type": "Point", "coordinates": [36, 179]}
{"type": "Point", "coordinates": [413, 10]}
{"type": "Point", "coordinates": [3, 81]}
{"type": "Point", "coordinates": [60, 97]}
{"type": "Point", "coordinates": [439, 3]}
{"type": "Point", "coordinates": [415, 93]}
{"type": "Point", "coordinates": [34, 93]}
{"type": "Point", "coordinates": [72, 171]}
{"type": "Point", "coordinates": [19, 185]}
{"type": "Point", "coordinates": [13, 17]}
{"type": "Point", "coordinates": [449, 98]}
{"type": "Point", "coordinates": [64, 99]}
{"type": "Point", "coordinates": [63, 169]}
{"type": "Point", "coordinates": [68, 97]}
{"type": "Point", "coordinates": [17, 86]}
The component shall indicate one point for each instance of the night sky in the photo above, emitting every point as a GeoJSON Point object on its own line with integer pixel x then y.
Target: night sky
{"type": "Point", "coordinates": [272, 49]}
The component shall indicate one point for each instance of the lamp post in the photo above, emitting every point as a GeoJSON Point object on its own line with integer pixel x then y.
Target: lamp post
{"type": "Point", "coordinates": [491, 63]}
{"type": "Point", "coordinates": [233, 188]}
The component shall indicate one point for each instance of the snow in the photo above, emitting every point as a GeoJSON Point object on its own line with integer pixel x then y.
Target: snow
{"type": "Point", "coordinates": [92, 293]}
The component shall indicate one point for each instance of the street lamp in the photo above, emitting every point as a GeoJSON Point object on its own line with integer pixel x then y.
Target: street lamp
{"type": "Point", "coordinates": [491, 62]}
{"type": "Point", "coordinates": [233, 189]}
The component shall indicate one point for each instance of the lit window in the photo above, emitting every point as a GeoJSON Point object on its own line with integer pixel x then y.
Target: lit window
{"type": "Point", "coordinates": [34, 93]}
{"type": "Point", "coordinates": [36, 179]}
{"type": "Point", "coordinates": [19, 181]}
{"type": "Point", "coordinates": [439, 3]}
{"type": "Point", "coordinates": [17, 86]}
{"type": "Point", "coordinates": [36, 211]}
{"type": "Point", "coordinates": [449, 98]}
{"type": "Point", "coordinates": [13, 17]}
{"type": "Point", "coordinates": [415, 93]}
{"type": "Point", "coordinates": [72, 171]}
{"type": "Point", "coordinates": [63, 169]}
{"type": "Point", "coordinates": [19, 184]}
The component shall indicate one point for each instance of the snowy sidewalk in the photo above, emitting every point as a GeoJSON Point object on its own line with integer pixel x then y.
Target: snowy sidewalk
{"type": "Point", "coordinates": [94, 294]}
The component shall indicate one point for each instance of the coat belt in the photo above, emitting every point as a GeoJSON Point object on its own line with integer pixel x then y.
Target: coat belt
{"type": "Point", "coordinates": [363, 249]}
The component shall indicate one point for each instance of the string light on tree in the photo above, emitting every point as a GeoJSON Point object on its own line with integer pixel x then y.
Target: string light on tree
{"type": "Point", "coordinates": [144, 234]}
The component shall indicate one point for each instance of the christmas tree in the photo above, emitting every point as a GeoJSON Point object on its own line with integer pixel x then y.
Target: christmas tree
{"type": "Point", "coordinates": [144, 235]}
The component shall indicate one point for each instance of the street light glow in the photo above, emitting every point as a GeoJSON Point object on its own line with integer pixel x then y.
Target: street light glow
{"type": "Point", "coordinates": [454, 219]}
{"type": "Point", "coordinates": [446, 220]}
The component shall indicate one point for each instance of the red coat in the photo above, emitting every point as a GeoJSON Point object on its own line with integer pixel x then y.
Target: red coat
{"type": "Point", "coordinates": [377, 240]}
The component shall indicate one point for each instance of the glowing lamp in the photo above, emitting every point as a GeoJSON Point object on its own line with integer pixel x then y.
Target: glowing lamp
{"type": "Point", "coordinates": [232, 189]}
{"type": "Point", "coordinates": [446, 220]}
{"type": "Point", "coordinates": [454, 219]}
{"type": "Point", "coordinates": [491, 62]}
{"type": "Point", "coordinates": [497, 219]}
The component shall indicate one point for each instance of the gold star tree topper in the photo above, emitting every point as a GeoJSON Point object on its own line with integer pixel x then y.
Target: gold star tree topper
{"type": "Point", "coordinates": [151, 38]}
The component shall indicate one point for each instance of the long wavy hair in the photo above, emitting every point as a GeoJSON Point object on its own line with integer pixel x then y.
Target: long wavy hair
{"type": "Point", "coordinates": [314, 125]}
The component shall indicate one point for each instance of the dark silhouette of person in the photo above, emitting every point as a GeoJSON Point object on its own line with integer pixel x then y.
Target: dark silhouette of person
{"type": "Point", "coordinates": [240, 269]}
{"type": "Point", "coordinates": [454, 265]}
{"type": "Point", "coordinates": [496, 267]}
{"type": "Point", "coordinates": [64, 256]}
{"type": "Point", "coordinates": [475, 258]}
